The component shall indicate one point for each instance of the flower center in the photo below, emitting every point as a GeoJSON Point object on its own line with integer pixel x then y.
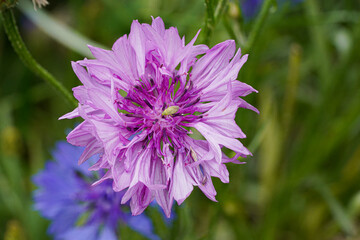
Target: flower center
{"type": "Point", "coordinates": [163, 108]}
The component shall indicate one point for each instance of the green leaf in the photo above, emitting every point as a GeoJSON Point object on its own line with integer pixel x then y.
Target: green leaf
{"type": "Point", "coordinates": [58, 31]}
{"type": "Point", "coordinates": [337, 210]}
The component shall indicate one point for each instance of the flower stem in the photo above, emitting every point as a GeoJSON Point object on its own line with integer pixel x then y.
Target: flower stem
{"type": "Point", "coordinates": [214, 11]}
{"type": "Point", "coordinates": [258, 24]}
{"type": "Point", "coordinates": [209, 21]}
{"type": "Point", "coordinates": [8, 19]}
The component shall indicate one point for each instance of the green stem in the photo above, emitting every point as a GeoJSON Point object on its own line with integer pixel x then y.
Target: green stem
{"type": "Point", "coordinates": [209, 21]}
{"type": "Point", "coordinates": [318, 38]}
{"type": "Point", "coordinates": [213, 14]}
{"type": "Point", "coordinates": [258, 24]}
{"type": "Point", "coordinates": [234, 30]}
{"type": "Point", "coordinates": [8, 19]}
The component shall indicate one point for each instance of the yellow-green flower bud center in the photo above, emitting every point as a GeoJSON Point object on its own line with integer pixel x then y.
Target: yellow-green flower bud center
{"type": "Point", "coordinates": [170, 110]}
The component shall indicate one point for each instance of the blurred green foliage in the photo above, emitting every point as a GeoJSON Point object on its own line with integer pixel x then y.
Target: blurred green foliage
{"type": "Point", "coordinates": [303, 180]}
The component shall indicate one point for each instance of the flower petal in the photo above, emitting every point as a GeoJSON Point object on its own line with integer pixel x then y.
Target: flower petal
{"type": "Point", "coordinates": [181, 183]}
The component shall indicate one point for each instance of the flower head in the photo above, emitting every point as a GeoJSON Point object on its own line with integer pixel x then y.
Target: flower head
{"type": "Point", "coordinates": [77, 209]}
{"type": "Point", "coordinates": [141, 101]}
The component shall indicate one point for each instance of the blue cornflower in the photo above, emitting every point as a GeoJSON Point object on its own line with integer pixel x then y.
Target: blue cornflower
{"type": "Point", "coordinates": [77, 209]}
{"type": "Point", "coordinates": [251, 7]}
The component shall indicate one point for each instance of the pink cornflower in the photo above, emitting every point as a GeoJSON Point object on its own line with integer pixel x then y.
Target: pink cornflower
{"type": "Point", "coordinates": [140, 102]}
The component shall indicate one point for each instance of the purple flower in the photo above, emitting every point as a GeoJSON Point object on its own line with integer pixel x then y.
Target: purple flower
{"type": "Point", "coordinates": [141, 102]}
{"type": "Point", "coordinates": [78, 210]}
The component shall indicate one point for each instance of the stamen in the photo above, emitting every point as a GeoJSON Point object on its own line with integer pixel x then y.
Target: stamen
{"type": "Point", "coordinates": [193, 103]}
{"type": "Point", "coordinates": [147, 103]}
{"type": "Point", "coordinates": [182, 94]}
{"type": "Point", "coordinates": [133, 115]}
{"type": "Point", "coordinates": [193, 154]}
{"type": "Point", "coordinates": [204, 177]}
{"type": "Point", "coordinates": [181, 129]}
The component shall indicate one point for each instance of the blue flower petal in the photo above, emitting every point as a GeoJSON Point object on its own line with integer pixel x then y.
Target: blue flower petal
{"type": "Point", "coordinates": [142, 225]}
{"type": "Point", "coordinates": [81, 233]}
{"type": "Point", "coordinates": [107, 234]}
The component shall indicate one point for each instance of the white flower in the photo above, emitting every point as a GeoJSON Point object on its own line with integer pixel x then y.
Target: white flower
{"type": "Point", "coordinates": [40, 3]}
